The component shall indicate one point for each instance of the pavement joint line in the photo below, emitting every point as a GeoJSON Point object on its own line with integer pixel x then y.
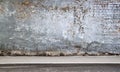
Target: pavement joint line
{"type": "Point", "coordinates": [60, 60]}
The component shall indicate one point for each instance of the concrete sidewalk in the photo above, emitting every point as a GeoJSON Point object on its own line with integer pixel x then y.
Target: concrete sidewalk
{"type": "Point", "coordinates": [60, 60]}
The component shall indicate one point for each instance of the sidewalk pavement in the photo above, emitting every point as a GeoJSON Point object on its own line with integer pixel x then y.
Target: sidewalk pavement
{"type": "Point", "coordinates": [60, 60]}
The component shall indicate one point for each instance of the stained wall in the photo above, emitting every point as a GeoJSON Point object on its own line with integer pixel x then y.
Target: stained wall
{"type": "Point", "coordinates": [68, 26]}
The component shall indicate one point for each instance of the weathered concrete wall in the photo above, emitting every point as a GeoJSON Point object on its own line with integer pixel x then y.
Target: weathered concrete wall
{"type": "Point", "coordinates": [67, 26]}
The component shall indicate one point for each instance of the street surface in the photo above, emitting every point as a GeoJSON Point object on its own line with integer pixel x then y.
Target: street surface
{"type": "Point", "coordinates": [60, 68]}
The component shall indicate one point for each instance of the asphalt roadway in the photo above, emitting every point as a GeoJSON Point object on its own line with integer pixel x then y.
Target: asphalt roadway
{"type": "Point", "coordinates": [61, 68]}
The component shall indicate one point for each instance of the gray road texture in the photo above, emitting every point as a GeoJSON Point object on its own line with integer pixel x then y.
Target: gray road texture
{"type": "Point", "coordinates": [61, 68]}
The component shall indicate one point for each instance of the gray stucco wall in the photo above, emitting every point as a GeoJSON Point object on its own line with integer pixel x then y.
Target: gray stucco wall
{"type": "Point", "coordinates": [67, 26]}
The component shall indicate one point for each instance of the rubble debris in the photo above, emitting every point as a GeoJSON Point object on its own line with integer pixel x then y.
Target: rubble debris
{"type": "Point", "coordinates": [52, 53]}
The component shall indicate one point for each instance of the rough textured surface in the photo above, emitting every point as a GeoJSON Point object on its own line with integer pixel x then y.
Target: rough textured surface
{"type": "Point", "coordinates": [29, 27]}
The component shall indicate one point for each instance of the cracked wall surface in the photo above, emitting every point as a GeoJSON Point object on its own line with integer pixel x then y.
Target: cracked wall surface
{"type": "Point", "coordinates": [59, 27]}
